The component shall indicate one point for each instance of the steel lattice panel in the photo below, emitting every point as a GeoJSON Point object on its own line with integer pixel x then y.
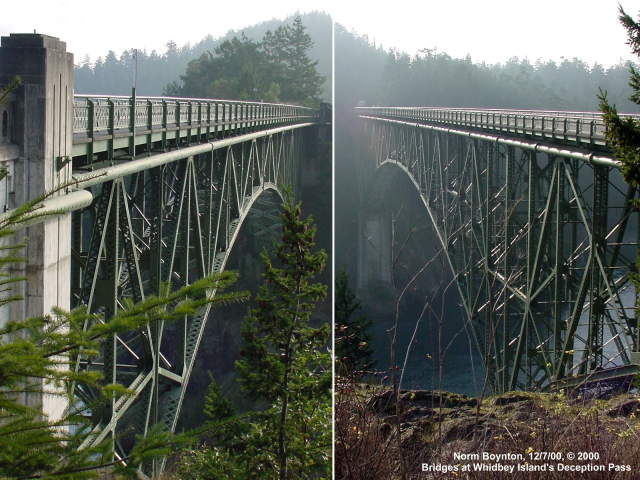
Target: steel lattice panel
{"type": "Point", "coordinates": [174, 223]}
{"type": "Point", "coordinates": [540, 246]}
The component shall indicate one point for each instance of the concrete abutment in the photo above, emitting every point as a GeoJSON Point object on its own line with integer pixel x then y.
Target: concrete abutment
{"type": "Point", "coordinates": [39, 125]}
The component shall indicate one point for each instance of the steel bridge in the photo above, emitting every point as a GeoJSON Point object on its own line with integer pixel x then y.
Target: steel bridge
{"type": "Point", "coordinates": [537, 227]}
{"type": "Point", "coordinates": [150, 191]}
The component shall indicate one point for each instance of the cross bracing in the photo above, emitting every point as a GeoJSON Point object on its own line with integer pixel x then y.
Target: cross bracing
{"type": "Point", "coordinates": [540, 238]}
{"type": "Point", "coordinates": [168, 198]}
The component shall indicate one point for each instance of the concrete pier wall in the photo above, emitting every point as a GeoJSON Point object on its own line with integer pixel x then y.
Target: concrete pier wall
{"type": "Point", "coordinates": [40, 127]}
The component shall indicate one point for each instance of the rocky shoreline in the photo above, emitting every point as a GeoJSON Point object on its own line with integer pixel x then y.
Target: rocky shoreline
{"type": "Point", "coordinates": [440, 428]}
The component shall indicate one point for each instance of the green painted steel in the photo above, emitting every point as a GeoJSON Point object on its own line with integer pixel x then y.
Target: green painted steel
{"type": "Point", "coordinates": [539, 237]}
{"type": "Point", "coordinates": [172, 181]}
{"type": "Point", "coordinates": [585, 129]}
{"type": "Point", "coordinates": [126, 126]}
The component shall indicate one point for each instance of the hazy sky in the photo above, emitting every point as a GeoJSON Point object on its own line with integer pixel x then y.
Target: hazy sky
{"type": "Point", "coordinates": [490, 30]}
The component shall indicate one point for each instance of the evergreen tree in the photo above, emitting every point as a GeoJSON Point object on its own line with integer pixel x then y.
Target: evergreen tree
{"type": "Point", "coordinates": [287, 49]}
{"type": "Point", "coordinates": [284, 359]}
{"type": "Point", "coordinates": [236, 70]}
{"type": "Point", "coordinates": [277, 68]}
{"type": "Point", "coordinates": [284, 367]}
{"type": "Point", "coordinates": [623, 136]}
{"type": "Point", "coordinates": [353, 350]}
{"type": "Point", "coordinates": [216, 406]}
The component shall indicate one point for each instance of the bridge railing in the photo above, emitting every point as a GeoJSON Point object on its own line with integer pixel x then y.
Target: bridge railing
{"type": "Point", "coordinates": [101, 114]}
{"type": "Point", "coordinates": [573, 127]}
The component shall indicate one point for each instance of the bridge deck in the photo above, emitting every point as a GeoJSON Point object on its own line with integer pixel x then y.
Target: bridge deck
{"type": "Point", "coordinates": [584, 129]}
{"type": "Point", "coordinates": [109, 123]}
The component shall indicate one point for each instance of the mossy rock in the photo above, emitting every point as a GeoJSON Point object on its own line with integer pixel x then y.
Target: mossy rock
{"type": "Point", "coordinates": [382, 403]}
{"type": "Point", "coordinates": [511, 398]}
{"type": "Point", "coordinates": [437, 398]}
{"type": "Point", "coordinates": [468, 429]}
{"type": "Point", "coordinates": [517, 396]}
{"type": "Point", "coordinates": [624, 407]}
{"type": "Point", "coordinates": [417, 413]}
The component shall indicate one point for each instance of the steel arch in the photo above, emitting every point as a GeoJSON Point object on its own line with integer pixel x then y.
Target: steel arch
{"type": "Point", "coordinates": [540, 246]}
{"type": "Point", "coordinates": [173, 223]}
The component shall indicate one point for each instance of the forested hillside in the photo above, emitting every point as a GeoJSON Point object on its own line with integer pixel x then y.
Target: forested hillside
{"type": "Point", "coordinates": [114, 74]}
{"type": "Point", "coordinates": [373, 75]}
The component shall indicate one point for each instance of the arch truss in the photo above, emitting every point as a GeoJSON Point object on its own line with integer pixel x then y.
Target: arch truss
{"type": "Point", "coordinates": [172, 221]}
{"type": "Point", "coordinates": [540, 241]}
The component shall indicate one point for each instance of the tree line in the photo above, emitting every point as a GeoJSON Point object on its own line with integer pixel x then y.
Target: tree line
{"type": "Point", "coordinates": [275, 69]}
{"type": "Point", "coordinates": [113, 74]}
{"type": "Point", "coordinates": [375, 75]}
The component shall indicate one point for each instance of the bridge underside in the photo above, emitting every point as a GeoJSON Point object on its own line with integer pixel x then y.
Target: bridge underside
{"type": "Point", "coordinates": [540, 246]}
{"type": "Point", "coordinates": [171, 224]}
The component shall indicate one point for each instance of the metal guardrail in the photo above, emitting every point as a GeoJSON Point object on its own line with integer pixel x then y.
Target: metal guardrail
{"type": "Point", "coordinates": [573, 127]}
{"type": "Point", "coordinates": [95, 115]}
{"type": "Point", "coordinates": [513, 141]}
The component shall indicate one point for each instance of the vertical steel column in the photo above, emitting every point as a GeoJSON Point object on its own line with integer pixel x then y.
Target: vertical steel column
{"type": "Point", "coordinates": [108, 297]}
{"type": "Point", "coordinates": [558, 290]}
{"type": "Point", "coordinates": [149, 124]}
{"type": "Point", "coordinates": [164, 126]}
{"type": "Point", "coordinates": [91, 122]}
{"type": "Point", "coordinates": [491, 371]}
{"type": "Point", "coordinates": [110, 129]}
{"type": "Point", "coordinates": [598, 247]}
{"type": "Point", "coordinates": [178, 122]}
{"type": "Point", "coordinates": [132, 124]}
{"type": "Point", "coordinates": [509, 269]}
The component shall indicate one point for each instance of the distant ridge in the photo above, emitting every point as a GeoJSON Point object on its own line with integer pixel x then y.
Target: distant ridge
{"type": "Point", "coordinates": [113, 75]}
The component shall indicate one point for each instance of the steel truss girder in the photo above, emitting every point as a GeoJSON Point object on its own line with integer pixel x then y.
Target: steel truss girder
{"type": "Point", "coordinates": [172, 223]}
{"type": "Point", "coordinates": [540, 246]}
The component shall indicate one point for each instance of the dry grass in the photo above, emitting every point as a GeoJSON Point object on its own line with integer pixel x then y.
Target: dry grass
{"type": "Point", "coordinates": [363, 445]}
{"type": "Point", "coordinates": [431, 431]}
